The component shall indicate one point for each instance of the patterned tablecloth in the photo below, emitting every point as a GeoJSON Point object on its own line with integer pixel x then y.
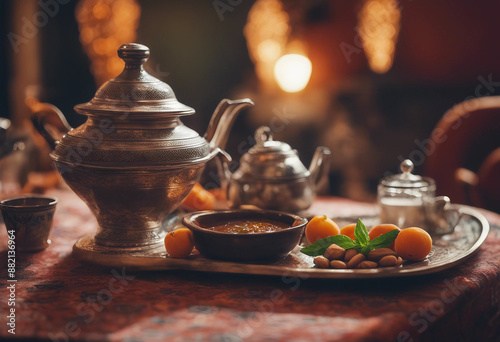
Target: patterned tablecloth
{"type": "Point", "coordinates": [59, 298]}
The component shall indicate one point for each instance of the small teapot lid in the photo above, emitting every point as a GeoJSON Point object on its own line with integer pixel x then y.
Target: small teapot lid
{"type": "Point", "coordinates": [134, 90]}
{"type": "Point", "coordinates": [266, 143]}
{"type": "Point", "coordinates": [271, 159]}
{"type": "Point", "coordinates": [406, 179]}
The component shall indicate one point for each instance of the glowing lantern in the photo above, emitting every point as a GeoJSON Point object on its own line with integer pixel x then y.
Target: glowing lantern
{"type": "Point", "coordinates": [293, 72]}
{"type": "Point", "coordinates": [266, 32]}
{"type": "Point", "coordinates": [379, 24]}
{"type": "Point", "coordinates": [105, 25]}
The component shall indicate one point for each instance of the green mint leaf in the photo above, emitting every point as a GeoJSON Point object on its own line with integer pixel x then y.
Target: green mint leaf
{"type": "Point", "coordinates": [320, 246]}
{"type": "Point", "coordinates": [358, 246]}
{"type": "Point", "coordinates": [384, 240]}
{"type": "Point", "coordinates": [361, 234]}
{"type": "Point", "coordinates": [343, 241]}
{"type": "Point", "coordinates": [365, 250]}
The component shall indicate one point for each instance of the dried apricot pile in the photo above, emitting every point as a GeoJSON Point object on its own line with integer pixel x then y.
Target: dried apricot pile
{"type": "Point", "coordinates": [384, 246]}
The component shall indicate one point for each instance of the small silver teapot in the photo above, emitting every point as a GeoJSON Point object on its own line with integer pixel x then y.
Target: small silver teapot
{"type": "Point", "coordinates": [409, 200]}
{"type": "Point", "coordinates": [271, 176]}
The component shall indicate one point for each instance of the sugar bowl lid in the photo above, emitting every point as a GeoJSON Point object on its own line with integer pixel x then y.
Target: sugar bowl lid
{"type": "Point", "coordinates": [134, 90]}
{"type": "Point", "coordinates": [271, 159]}
{"type": "Point", "coordinates": [406, 179]}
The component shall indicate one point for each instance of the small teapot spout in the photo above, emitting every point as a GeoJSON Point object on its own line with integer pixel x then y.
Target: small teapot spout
{"type": "Point", "coordinates": [320, 166]}
{"type": "Point", "coordinates": [222, 120]}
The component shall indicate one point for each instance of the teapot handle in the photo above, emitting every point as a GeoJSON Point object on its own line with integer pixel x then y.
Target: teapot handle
{"type": "Point", "coordinates": [50, 122]}
{"type": "Point", "coordinates": [442, 218]}
{"type": "Point", "coordinates": [320, 166]}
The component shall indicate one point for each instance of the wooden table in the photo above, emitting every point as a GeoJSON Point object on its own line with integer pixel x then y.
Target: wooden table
{"type": "Point", "coordinates": [58, 298]}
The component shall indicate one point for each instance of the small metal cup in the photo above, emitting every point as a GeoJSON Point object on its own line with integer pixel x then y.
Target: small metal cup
{"type": "Point", "coordinates": [30, 217]}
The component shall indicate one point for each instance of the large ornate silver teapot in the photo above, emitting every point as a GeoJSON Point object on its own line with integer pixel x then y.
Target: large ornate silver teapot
{"type": "Point", "coordinates": [133, 161]}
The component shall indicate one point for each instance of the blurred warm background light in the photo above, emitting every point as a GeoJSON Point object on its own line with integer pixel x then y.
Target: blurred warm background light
{"type": "Point", "coordinates": [266, 32]}
{"type": "Point", "coordinates": [383, 71]}
{"type": "Point", "coordinates": [379, 24]}
{"type": "Point", "coordinates": [104, 26]}
{"type": "Point", "coordinates": [292, 72]}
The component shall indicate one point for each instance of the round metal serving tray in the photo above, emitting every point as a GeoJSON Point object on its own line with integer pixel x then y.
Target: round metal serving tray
{"type": "Point", "coordinates": [447, 251]}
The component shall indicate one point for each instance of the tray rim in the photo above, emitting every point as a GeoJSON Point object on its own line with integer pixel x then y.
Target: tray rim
{"type": "Point", "coordinates": [84, 250]}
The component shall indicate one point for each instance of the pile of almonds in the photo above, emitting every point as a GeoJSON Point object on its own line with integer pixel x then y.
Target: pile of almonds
{"type": "Point", "coordinates": [337, 257]}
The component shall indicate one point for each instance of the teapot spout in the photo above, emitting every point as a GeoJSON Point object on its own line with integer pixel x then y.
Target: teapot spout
{"type": "Point", "coordinates": [320, 167]}
{"type": "Point", "coordinates": [222, 120]}
{"type": "Point", "coordinates": [49, 121]}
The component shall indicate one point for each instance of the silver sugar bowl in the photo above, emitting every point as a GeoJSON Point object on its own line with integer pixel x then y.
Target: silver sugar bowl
{"type": "Point", "coordinates": [409, 200]}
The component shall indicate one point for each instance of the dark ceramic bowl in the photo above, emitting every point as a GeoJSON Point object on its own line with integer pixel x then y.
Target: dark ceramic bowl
{"type": "Point", "coordinates": [244, 247]}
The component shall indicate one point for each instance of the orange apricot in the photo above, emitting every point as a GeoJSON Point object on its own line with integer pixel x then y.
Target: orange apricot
{"type": "Point", "coordinates": [413, 244]}
{"type": "Point", "coordinates": [382, 229]}
{"type": "Point", "coordinates": [320, 227]}
{"type": "Point", "coordinates": [179, 243]}
{"type": "Point", "coordinates": [199, 199]}
{"type": "Point", "coordinates": [348, 230]}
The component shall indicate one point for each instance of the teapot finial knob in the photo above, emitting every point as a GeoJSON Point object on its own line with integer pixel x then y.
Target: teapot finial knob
{"type": "Point", "coordinates": [406, 166]}
{"type": "Point", "coordinates": [133, 53]}
{"type": "Point", "coordinates": [263, 134]}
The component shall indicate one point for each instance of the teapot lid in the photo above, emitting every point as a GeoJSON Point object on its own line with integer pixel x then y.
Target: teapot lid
{"type": "Point", "coordinates": [406, 179]}
{"type": "Point", "coordinates": [266, 143]}
{"type": "Point", "coordinates": [273, 160]}
{"type": "Point", "coordinates": [134, 90]}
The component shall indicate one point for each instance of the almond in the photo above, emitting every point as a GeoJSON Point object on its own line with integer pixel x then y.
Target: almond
{"type": "Point", "coordinates": [367, 264]}
{"type": "Point", "coordinates": [334, 252]}
{"type": "Point", "coordinates": [321, 262]}
{"type": "Point", "coordinates": [400, 261]}
{"type": "Point", "coordinates": [388, 261]}
{"type": "Point", "coordinates": [379, 253]}
{"type": "Point", "coordinates": [349, 254]}
{"type": "Point", "coordinates": [355, 260]}
{"type": "Point", "coordinates": [337, 264]}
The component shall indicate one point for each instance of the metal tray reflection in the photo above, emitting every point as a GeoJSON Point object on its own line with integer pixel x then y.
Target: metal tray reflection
{"type": "Point", "coordinates": [448, 251]}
